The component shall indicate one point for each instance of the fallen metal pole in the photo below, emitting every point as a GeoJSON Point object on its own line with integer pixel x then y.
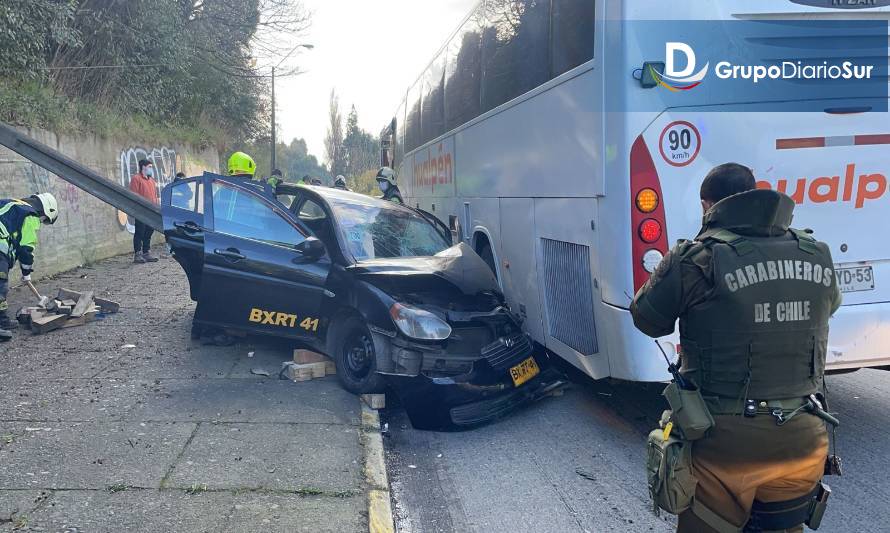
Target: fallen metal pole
{"type": "Point", "coordinates": [82, 177]}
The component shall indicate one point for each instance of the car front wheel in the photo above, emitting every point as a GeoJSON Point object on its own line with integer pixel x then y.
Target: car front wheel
{"type": "Point", "coordinates": [356, 359]}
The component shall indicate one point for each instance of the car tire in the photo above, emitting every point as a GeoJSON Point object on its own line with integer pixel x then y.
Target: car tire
{"type": "Point", "coordinates": [486, 254]}
{"type": "Point", "coordinates": [356, 360]}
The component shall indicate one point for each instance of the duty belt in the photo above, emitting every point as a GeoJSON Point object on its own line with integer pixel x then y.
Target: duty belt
{"type": "Point", "coordinates": [733, 406]}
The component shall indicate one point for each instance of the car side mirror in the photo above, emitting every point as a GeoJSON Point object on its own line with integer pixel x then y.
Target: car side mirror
{"type": "Point", "coordinates": [311, 248]}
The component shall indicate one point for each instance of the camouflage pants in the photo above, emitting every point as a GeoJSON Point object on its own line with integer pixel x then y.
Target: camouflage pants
{"type": "Point", "coordinates": [4, 282]}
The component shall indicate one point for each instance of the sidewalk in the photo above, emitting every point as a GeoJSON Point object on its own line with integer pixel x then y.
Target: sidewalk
{"type": "Point", "coordinates": [170, 435]}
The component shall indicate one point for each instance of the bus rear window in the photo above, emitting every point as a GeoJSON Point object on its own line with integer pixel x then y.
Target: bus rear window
{"type": "Point", "coordinates": [573, 24]}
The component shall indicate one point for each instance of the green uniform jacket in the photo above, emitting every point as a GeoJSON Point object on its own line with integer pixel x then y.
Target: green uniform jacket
{"type": "Point", "coordinates": [19, 223]}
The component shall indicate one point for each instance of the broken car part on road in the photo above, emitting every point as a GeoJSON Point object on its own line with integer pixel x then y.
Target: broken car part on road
{"type": "Point", "coordinates": [377, 286]}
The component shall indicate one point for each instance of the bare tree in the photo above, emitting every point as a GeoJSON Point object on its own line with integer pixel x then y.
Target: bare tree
{"type": "Point", "coordinates": [333, 141]}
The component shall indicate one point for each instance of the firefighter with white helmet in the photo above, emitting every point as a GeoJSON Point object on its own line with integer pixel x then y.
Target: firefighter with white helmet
{"type": "Point", "coordinates": [386, 180]}
{"type": "Point", "coordinates": [19, 222]}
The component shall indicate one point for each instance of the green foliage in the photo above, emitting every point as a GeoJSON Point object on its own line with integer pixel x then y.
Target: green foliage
{"type": "Point", "coordinates": [361, 149]}
{"type": "Point", "coordinates": [294, 160]}
{"type": "Point", "coordinates": [190, 63]}
{"type": "Point", "coordinates": [355, 153]}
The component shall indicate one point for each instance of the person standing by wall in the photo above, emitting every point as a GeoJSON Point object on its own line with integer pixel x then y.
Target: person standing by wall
{"type": "Point", "coordinates": [143, 184]}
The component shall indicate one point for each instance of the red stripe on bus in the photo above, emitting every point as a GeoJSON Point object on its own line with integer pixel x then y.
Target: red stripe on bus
{"type": "Point", "coordinates": [872, 139]}
{"type": "Point", "coordinates": [804, 142]}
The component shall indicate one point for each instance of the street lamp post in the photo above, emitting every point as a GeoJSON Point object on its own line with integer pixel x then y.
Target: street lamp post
{"type": "Point", "coordinates": [274, 140]}
{"type": "Point", "coordinates": [274, 166]}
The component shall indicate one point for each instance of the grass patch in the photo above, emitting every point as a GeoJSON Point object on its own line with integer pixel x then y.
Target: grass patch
{"type": "Point", "coordinates": [197, 488]}
{"type": "Point", "coordinates": [117, 487]}
{"type": "Point", "coordinates": [34, 105]}
{"type": "Point", "coordinates": [7, 439]}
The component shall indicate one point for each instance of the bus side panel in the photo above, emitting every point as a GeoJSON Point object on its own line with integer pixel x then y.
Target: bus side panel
{"type": "Point", "coordinates": [547, 146]}
{"type": "Point", "coordinates": [520, 279]}
{"type": "Point", "coordinates": [433, 171]}
{"type": "Point", "coordinates": [567, 263]}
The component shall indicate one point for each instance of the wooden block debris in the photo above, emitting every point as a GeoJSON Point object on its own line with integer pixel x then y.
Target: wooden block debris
{"type": "Point", "coordinates": [330, 368]}
{"type": "Point", "coordinates": [47, 323]}
{"type": "Point", "coordinates": [107, 306]}
{"type": "Point", "coordinates": [84, 303]}
{"type": "Point", "coordinates": [304, 357]}
{"type": "Point", "coordinates": [296, 372]}
{"type": "Point", "coordinates": [374, 401]}
{"type": "Point", "coordinates": [319, 370]}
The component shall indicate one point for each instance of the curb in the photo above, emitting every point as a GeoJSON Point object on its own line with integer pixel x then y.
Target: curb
{"type": "Point", "coordinates": [379, 507]}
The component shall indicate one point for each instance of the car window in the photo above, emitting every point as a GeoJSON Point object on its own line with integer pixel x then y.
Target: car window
{"type": "Point", "coordinates": [242, 214]}
{"type": "Point", "coordinates": [310, 210]}
{"type": "Point", "coordinates": [184, 196]}
{"type": "Point", "coordinates": [371, 231]}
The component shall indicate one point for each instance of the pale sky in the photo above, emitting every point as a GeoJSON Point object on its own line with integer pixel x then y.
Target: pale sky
{"type": "Point", "coordinates": [370, 51]}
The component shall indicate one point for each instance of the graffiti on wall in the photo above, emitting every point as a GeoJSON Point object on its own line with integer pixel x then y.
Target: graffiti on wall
{"type": "Point", "coordinates": [166, 162]}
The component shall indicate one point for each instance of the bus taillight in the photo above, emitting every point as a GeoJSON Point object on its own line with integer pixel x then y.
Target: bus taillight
{"type": "Point", "coordinates": [648, 225]}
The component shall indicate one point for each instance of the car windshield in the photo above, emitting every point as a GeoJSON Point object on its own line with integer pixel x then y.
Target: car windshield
{"type": "Point", "coordinates": [372, 231]}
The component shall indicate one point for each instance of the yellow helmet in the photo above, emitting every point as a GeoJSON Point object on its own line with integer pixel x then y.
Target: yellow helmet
{"type": "Point", "coordinates": [240, 164]}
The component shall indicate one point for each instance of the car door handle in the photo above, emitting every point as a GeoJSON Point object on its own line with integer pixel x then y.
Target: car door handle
{"type": "Point", "coordinates": [188, 227]}
{"type": "Point", "coordinates": [231, 253]}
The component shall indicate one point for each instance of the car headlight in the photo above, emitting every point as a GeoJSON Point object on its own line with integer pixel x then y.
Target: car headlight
{"type": "Point", "coordinates": [419, 324]}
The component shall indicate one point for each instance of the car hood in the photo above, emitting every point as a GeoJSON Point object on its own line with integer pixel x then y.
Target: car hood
{"type": "Point", "coordinates": [459, 265]}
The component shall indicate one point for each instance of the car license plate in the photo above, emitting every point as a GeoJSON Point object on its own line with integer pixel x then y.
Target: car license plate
{"type": "Point", "coordinates": [524, 371]}
{"type": "Point", "coordinates": [855, 279]}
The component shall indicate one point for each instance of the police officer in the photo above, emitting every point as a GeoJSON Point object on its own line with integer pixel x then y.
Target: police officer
{"type": "Point", "coordinates": [386, 180]}
{"type": "Point", "coordinates": [340, 183]}
{"type": "Point", "coordinates": [753, 297]}
{"type": "Point", "coordinates": [19, 222]}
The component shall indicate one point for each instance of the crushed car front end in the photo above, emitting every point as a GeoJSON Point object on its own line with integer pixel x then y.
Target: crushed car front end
{"type": "Point", "coordinates": [486, 369]}
{"type": "Point", "coordinates": [451, 348]}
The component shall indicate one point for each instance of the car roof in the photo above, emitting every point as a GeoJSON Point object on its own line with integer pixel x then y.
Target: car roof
{"type": "Point", "coordinates": [329, 193]}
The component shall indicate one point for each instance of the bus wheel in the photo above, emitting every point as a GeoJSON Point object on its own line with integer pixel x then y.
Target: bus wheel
{"type": "Point", "coordinates": [486, 254]}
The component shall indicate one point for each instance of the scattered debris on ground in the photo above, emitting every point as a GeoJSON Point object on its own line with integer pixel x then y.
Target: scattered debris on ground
{"type": "Point", "coordinates": [374, 401]}
{"type": "Point", "coordinates": [68, 309]}
{"type": "Point", "coordinates": [307, 365]}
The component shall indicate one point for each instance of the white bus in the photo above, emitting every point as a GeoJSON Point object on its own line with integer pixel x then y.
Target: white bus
{"type": "Point", "coordinates": [513, 137]}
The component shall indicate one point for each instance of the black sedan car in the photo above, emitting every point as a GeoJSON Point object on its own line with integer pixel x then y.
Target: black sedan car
{"type": "Point", "coordinates": [377, 286]}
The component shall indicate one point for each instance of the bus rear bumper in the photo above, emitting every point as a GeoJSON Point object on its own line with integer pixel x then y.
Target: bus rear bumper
{"type": "Point", "coordinates": [634, 356]}
{"type": "Point", "coordinates": [859, 336]}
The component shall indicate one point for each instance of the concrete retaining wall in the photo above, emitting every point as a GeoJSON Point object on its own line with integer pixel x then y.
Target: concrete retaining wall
{"type": "Point", "coordinates": [89, 230]}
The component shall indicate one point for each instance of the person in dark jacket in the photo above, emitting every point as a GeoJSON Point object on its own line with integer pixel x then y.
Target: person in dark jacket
{"type": "Point", "coordinates": [753, 297]}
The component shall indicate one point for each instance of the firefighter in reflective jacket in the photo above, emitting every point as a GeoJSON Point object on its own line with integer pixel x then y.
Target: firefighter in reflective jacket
{"type": "Point", "coordinates": [19, 222]}
{"type": "Point", "coordinates": [753, 298]}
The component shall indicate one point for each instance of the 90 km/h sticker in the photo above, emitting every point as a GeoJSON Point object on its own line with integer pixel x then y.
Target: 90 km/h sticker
{"type": "Point", "coordinates": [680, 143]}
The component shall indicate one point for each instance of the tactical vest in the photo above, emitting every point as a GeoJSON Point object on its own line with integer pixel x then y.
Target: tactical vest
{"type": "Point", "coordinates": [763, 331]}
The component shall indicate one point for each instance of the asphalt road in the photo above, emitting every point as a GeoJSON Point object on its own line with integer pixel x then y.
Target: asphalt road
{"type": "Point", "coordinates": [575, 463]}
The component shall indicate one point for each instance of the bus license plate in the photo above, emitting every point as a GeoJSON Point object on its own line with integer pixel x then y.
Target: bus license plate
{"type": "Point", "coordinates": [524, 371]}
{"type": "Point", "coordinates": [855, 279]}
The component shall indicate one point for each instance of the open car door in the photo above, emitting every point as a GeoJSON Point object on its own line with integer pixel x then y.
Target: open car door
{"type": "Point", "coordinates": [263, 272]}
{"type": "Point", "coordinates": [182, 211]}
